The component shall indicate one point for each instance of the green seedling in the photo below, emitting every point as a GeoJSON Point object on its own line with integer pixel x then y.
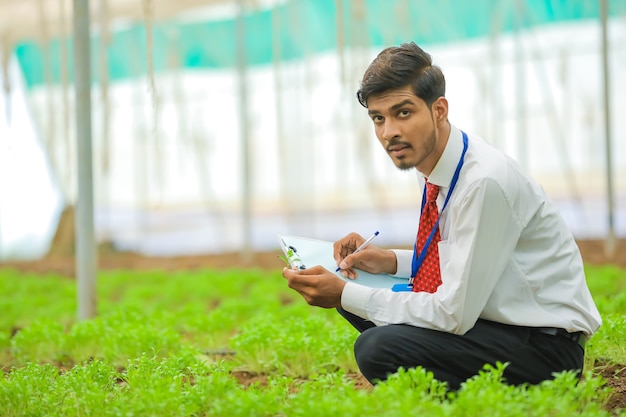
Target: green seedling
{"type": "Point", "coordinates": [152, 351]}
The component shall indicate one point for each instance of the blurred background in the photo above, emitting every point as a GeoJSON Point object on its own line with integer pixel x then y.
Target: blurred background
{"type": "Point", "coordinates": [217, 124]}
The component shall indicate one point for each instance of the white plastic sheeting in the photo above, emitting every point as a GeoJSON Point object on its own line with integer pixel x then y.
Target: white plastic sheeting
{"type": "Point", "coordinates": [182, 196]}
{"type": "Point", "coordinates": [30, 202]}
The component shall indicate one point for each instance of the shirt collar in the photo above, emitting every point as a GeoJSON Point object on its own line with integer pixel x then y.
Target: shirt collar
{"type": "Point", "coordinates": [443, 172]}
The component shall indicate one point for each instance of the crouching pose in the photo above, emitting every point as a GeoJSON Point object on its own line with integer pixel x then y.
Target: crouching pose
{"type": "Point", "coordinates": [495, 274]}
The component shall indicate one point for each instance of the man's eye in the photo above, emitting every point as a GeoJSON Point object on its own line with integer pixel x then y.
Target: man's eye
{"type": "Point", "coordinates": [377, 119]}
{"type": "Point", "coordinates": [404, 113]}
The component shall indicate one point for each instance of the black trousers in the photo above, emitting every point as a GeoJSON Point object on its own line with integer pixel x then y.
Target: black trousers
{"type": "Point", "coordinates": [532, 356]}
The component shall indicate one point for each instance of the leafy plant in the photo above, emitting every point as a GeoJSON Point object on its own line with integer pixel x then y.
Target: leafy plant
{"type": "Point", "coordinates": [154, 350]}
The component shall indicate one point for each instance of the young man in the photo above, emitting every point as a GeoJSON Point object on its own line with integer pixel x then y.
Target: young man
{"type": "Point", "coordinates": [496, 275]}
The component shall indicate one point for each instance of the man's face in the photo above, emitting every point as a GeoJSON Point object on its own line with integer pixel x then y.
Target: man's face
{"type": "Point", "coordinates": [405, 127]}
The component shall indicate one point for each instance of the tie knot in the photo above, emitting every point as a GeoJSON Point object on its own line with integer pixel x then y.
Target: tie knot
{"type": "Point", "coordinates": [432, 191]}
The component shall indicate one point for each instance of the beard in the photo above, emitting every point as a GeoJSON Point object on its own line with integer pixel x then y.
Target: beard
{"type": "Point", "coordinates": [408, 162]}
{"type": "Point", "coordinates": [404, 165]}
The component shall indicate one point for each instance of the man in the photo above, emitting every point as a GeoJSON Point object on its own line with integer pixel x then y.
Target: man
{"type": "Point", "coordinates": [496, 275]}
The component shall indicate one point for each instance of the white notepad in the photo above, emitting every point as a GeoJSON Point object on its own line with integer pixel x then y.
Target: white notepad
{"type": "Point", "coordinates": [314, 252]}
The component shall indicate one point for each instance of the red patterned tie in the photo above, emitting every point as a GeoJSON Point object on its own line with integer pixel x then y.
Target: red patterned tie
{"type": "Point", "coordinates": [428, 277]}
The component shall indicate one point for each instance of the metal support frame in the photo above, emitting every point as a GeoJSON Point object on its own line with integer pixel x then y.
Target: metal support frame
{"type": "Point", "coordinates": [610, 242]}
{"type": "Point", "coordinates": [86, 256]}
{"type": "Point", "coordinates": [242, 78]}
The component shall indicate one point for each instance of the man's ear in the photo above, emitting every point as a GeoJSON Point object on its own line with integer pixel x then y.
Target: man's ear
{"type": "Point", "coordinates": [440, 111]}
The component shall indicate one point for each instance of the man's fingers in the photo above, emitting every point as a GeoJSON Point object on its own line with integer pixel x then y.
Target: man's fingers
{"type": "Point", "coordinates": [290, 272]}
{"type": "Point", "coordinates": [318, 286]}
{"type": "Point", "coordinates": [352, 274]}
{"type": "Point", "coordinates": [348, 262]}
{"type": "Point", "coordinates": [305, 285]}
{"type": "Point", "coordinates": [349, 273]}
{"type": "Point", "coordinates": [301, 278]}
{"type": "Point", "coordinates": [315, 270]}
{"type": "Point", "coordinates": [346, 245]}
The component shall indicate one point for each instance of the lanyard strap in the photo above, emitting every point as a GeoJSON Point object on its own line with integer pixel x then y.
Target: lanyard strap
{"type": "Point", "coordinates": [417, 261]}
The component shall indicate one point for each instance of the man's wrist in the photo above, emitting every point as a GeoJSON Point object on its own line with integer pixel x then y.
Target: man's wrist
{"type": "Point", "coordinates": [392, 263]}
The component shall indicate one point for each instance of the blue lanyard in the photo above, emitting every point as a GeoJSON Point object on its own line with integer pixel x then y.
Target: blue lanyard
{"type": "Point", "coordinates": [417, 261]}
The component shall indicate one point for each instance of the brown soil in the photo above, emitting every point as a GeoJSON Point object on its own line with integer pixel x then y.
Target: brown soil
{"type": "Point", "coordinates": [615, 376]}
{"type": "Point", "coordinates": [593, 252]}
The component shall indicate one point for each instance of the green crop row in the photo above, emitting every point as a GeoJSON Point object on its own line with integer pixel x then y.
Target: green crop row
{"type": "Point", "coordinates": [172, 344]}
{"type": "Point", "coordinates": [185, 385]}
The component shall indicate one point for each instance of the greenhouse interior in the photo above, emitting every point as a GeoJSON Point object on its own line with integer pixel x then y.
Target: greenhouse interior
{"type": "Point", "coordinates": [160, 161]}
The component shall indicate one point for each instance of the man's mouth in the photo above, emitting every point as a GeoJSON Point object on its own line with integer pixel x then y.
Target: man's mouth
{"type": "Point", "coordinates": [397, 149]}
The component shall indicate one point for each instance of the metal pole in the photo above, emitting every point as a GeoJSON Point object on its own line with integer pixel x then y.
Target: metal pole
{"type": "Point", "coordinates": [4, 63]}
{"type": "Point", "coordinates": [520, 87]}
{"type": "Point", "coordinates": [246, 253]}
{"type": "Point", "coordinates": [86, 261]}
{"type": "Point", "coordinates": [609, 246]}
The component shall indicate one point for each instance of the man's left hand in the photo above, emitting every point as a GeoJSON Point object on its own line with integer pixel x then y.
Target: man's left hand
{"type": "Point", "coordinates": [317, 285]}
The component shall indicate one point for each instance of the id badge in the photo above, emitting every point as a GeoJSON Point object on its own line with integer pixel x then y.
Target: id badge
{"type": "Point", "coordinates": [401, 288]}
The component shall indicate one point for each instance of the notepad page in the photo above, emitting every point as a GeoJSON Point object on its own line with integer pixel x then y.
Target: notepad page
{"type": "Point", "coordinates": [320, 252]}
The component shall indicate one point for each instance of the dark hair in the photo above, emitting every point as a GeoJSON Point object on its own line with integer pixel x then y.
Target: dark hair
{"type": "Point", "coordinates": [399, 66]}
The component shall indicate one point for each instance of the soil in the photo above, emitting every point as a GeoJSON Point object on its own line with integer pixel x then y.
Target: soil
{"type": "Point", "coordinates": [62, 263]}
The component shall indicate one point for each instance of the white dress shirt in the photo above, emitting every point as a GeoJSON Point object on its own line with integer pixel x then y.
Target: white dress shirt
{"type": "Point", "coordinates": [505, 255]}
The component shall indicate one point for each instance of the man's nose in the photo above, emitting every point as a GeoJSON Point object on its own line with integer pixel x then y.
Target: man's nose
{"type": "Point", "coordinates": [390, 130]}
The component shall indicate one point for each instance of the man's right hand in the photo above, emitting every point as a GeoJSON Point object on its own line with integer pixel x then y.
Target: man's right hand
{"type": "Point", "coordinates": [371, 259]}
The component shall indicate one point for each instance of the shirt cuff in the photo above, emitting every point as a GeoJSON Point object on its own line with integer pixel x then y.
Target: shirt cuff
{"type": "Point", "coordinates": [354, 298]}
{"type": "Point", "coordinates": [404, 259]}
